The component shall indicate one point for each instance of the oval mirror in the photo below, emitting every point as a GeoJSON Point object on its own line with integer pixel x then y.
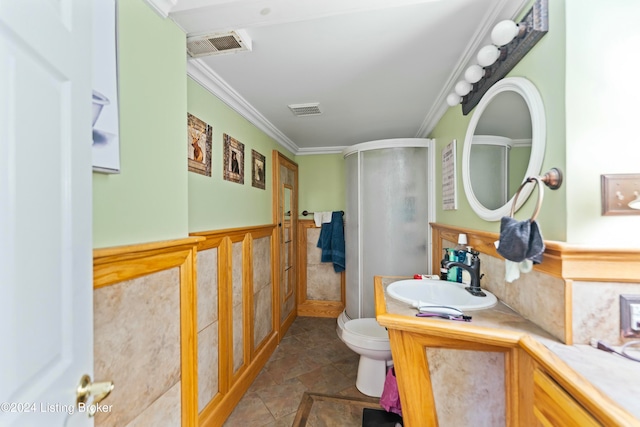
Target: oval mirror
{"type": "Point", "coordinates": [504, 144]}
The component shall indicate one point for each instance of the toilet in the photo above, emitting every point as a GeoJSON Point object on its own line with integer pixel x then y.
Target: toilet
{"type": "Point", "coordinates": [371, 341]}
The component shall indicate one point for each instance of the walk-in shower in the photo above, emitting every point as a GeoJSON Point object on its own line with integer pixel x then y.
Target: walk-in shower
{"type": "Point", "coordinates": [388, 209]}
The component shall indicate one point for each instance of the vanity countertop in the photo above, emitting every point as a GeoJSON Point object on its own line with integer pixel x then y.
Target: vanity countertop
{"type": "Point", "coordinates": [615, 376]}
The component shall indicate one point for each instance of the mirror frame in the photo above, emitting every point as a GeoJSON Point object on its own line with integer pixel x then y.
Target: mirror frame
{"type": "Point", "coordinates": [532, 97]}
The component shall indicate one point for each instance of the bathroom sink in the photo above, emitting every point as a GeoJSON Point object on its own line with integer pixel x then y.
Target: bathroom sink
{"type": "Point", "coordinates": [419, 293]}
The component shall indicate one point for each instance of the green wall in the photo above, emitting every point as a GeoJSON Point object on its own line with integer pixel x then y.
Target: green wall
{"type": "Point", "coordinates": [147, 201]}
{"type": "Point", "coordinates": [155, 197]}
{"type": "Point", "coordinates": [602, 115]}
{"type": "Point", "coordinates": [589, 112]}
{"type": "Point", "coordinates": [544, 65]}
{"type": "Point", "coordinates": [213, 202]}
{"type": "Point", "coordinates": [321, 182]}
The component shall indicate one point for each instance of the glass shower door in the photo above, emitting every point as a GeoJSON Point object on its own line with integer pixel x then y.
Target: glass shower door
{"type": "Point", "coordinates": [393, 220]}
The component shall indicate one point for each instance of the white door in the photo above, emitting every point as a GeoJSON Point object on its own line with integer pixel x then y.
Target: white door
{"type": "Point", "coordinates": [46, 306]}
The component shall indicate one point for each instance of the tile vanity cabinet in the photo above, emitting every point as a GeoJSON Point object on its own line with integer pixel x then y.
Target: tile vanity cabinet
{"type": "Point", "coordinates": [540, 389]}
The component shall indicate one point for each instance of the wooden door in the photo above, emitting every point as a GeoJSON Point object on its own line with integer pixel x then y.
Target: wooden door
{"type": "Point", "coordinates": [285, 216]}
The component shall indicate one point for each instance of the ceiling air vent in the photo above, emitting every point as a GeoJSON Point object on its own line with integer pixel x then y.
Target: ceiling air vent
{"type": "Point", "coordinates": [310, 109]}
{"type": "Point", "coordinates": [216, 44]}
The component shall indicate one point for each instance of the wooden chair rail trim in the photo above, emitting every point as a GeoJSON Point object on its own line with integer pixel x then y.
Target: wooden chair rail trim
{"type": "Point", "coordinates": [120, 270]}
{"type": "Point", "coordinates": [230, 231]}
{"type": "Point", "coordinates": [142, 249]}
{"type": "Point", "coordinates": [212, 238]}
{"type": "Point", "coordinates": [563, 260]}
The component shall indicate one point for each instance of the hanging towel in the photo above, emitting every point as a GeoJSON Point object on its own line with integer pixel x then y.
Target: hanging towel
{"type": "Point", "coordinates": [331, 242]}
{"type": "Point", "coordinates": [321, 218]}
{"type": "Point", "coordinates": [520, 240]}
{"type": "Point", "coordinates": [390, 398]}
{"type": "Point", "coordinates": [513, 269]}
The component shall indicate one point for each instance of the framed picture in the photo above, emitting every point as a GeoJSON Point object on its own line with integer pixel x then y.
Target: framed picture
{"type": "Point", "coordinates": [258, 169]}
{"type": "Point", "coordinates": [199, 145]}
{"type": "Point", "coordinates": [106, 142]}
{"type": "Point", "coordinates": [233, 168]}
{"type": "Point", "coordinates": [449, 187]}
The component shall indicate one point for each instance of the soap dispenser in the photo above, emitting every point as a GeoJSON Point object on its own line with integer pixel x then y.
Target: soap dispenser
{"type": "Point", "coordinates": [460, 254]}
{"type": "Point", "coordinates": [444, 270]}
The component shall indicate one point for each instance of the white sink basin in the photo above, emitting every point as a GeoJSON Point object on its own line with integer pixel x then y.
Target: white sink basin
{"type": "Point", "coordinates": [419, 293]}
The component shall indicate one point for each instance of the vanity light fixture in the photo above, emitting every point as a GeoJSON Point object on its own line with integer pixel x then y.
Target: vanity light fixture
{"type": "Point", "coordinates": [453, 99]}
{"type": "Point", "coordinates": [488, 55]}
{"type": "Point", "coordinates": [474, 74]}
{"type": "Point", "coordinates": [505, 31]}
{"type": "Point", "coordinates": [510, 43]}
{"type": "Point", "coordinates": [462, 88]}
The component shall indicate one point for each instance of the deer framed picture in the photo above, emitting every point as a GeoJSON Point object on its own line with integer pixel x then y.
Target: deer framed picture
{"type": "Point", "coordinates": [199, 145]}
{"type": "Point", "coordinates": [233, 168]}
{"type": "Point", "coordinates": [258, 169]}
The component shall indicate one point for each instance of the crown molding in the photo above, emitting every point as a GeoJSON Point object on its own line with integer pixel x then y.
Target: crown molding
{"type": "Point", "coordinates": [208, 79]}
{"type": "Point", "coordinates": [162, 7]}
{"type": "Point", "coordinates": [307, 151]}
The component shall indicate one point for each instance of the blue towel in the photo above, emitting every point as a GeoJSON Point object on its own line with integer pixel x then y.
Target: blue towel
{"type": "Point", "coordinates": [331, 242]}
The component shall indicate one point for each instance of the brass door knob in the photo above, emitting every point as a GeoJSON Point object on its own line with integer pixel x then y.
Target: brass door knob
{"type": "Point", "coordinates": [99, 392]}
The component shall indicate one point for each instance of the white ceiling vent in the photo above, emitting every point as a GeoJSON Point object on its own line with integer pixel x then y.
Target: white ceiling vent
{"type": "Point", "coordinates": [219, 43]}
{"type": "Point", "coordinates": [309, 109]}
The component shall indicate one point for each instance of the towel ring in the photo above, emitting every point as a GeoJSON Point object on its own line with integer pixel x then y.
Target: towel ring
{"type": "Point", "coordinates": [540, 197]}
{"type": "Point", "coordinates": [552, 179]}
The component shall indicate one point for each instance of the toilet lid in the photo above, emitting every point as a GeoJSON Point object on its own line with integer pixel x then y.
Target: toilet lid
{"type": "Point", "coordinates": [368, 328]}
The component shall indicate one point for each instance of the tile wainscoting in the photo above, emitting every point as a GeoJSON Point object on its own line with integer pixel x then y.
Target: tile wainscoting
{"type": "Point", "coordinates": [237, 315]}
{"type": "Point", "coordinates": [183, 327]}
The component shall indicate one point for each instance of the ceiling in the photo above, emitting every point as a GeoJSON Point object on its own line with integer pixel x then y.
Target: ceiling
{"type": "Point", "coordinates": [378, 68]}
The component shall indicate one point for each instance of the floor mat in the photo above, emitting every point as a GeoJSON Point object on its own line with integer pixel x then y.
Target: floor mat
{"type": "Point", "coordinates": [324, 410]}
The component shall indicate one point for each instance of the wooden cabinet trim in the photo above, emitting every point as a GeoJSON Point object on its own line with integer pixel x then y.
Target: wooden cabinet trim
{"type": "Point", "coordinates": [552, 405]}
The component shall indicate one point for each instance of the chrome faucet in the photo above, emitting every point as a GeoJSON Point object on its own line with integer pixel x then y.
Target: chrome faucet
{"type": "Point", "coordinates": [473, 269]}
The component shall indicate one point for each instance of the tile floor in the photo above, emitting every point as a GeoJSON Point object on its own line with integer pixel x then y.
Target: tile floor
{"type": "Point", "coordinates": [310, 358]}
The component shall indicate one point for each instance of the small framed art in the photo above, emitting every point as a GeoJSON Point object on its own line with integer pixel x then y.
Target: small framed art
{"type": "Point", "coordinates": [199, 145]}
{"type": "Point", "coordinates": [233, 168]}
{"type": "Point", "coordinates": [258, 169]}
